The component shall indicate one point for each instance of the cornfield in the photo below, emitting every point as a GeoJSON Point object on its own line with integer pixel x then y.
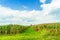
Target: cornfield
{"type": "Point", "coordinates": [15, 29]}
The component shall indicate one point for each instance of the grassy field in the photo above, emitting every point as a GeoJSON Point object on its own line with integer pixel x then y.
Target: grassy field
{"type": "Point", "coordinates": [34, 32]}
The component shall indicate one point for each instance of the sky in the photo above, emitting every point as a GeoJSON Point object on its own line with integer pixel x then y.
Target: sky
{"type": "Point", "coordinates": [27, 12]}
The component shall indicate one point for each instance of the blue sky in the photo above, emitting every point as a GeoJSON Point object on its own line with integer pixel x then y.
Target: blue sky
{"type": "Point", "coordinates": [20, 4]}
{"type": "Point", "coordinates": [28, 12]}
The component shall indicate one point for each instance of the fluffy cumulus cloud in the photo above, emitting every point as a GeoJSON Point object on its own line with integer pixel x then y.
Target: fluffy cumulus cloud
{"type": "Point", "coordinates": [43, 1]}
{"type": "Point", "coordinates": [10, 16]}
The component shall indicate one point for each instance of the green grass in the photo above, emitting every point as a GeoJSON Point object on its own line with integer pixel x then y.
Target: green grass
{"type": "Point", "coordinates": [44, 32]}
{"type": "Point", "coordinates": [44, 35]}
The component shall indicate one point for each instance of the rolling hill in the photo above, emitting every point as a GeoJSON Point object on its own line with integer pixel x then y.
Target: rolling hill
{"type": "Point", "coordinates": [49, 31]}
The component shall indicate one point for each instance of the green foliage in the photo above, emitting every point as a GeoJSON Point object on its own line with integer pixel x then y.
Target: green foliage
{"type": "Point", "coordinates": [33, 32]}
{"type": "Point", "coordinates": [14, 29]}
{"type": "Point", "coordinates": [11, 29]}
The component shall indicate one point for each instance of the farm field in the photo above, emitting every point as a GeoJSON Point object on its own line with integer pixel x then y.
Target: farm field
{"type": "Point", "coordinates": [50, 31]}
{"type": "Point", "coordinates": [29, 19]}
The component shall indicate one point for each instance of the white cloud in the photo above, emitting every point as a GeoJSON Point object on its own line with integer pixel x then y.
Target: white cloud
{"type": "Point", "coordinates": [43, 1]}
{"type": "Point", "coordinates": [29, 17]}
